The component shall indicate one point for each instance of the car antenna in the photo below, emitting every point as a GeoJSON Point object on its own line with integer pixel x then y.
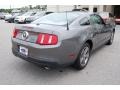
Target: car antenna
{"type": "Point", "coordinates": [67, 21]}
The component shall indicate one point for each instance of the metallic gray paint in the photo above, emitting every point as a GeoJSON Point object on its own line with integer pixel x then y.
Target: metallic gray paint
{"type": "Point", "coordinates": [69, 41]}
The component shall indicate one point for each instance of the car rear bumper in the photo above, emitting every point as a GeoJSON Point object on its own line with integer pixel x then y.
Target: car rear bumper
{"type": "Point", "coordinates": [54, 56]}
{"type": "Point", "coordinates": [117, 22]}
{"type": "Point", "coordinates": [28, 21]}
{"type": "Point", "coordinates": [19, 21]}
{"type": "Point", "coordinates": [42, 61]}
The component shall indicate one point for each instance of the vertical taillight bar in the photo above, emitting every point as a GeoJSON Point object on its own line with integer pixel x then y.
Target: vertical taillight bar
{"type": "Point", "coordinates": [47, 39]}
{"type": "Point", "coordinates": [15, 32]}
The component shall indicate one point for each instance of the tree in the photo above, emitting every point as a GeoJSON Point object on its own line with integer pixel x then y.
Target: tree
{"type": "Point", "coordinates": [38, 7]}
{"type": "Point", "coordinates": [30, 6]}
{"type": "Point", "coordinates": [43, 7]}
{"type": "Point", "coordinates": [6, 10]}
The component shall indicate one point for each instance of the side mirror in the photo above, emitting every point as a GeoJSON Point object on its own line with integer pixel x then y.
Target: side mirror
{"type": "Point", "coordinates": [107, 22]}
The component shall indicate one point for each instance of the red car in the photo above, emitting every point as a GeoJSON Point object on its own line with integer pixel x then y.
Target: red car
{"type": "Point", "coordinates": [117, 20]}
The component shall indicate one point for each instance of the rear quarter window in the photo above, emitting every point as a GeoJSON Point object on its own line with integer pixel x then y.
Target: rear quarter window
{"type": "Point", "coordinates": [84, 21]}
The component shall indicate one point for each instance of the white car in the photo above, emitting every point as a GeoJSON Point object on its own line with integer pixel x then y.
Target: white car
{"type": "Point", "coordinates": [22, 18]}
{"type": "Point", "coordinates": [7, 16]}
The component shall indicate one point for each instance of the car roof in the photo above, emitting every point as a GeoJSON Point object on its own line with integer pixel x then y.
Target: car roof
{"type": "Point", "coordinates": [82, 14]}
{"type": "Point", "coordinates": [85, 13]}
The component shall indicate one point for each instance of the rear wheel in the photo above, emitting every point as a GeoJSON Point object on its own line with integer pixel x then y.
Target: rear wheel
{"type": "Point", "coordinates": [83, 57]}
{"type": "Point", "coordinates": [111, 39]}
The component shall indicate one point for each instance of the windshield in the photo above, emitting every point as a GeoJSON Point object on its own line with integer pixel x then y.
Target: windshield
{"type": "Point", "coordinates": [57, 18]}
{"type": "Point", "coordinates": [28, 14]}
{"type": "Point", "coordinates": [16, 14]}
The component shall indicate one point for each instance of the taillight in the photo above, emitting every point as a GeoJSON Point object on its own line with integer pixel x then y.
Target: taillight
{"type": "Point", "coordinates": [47, 39]}
{"type": "Point", "coordinates": [15, 32]}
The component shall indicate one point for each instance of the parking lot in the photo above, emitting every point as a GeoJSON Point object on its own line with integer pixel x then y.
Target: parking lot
{"type": "Point", "coordinates": [103, 67]}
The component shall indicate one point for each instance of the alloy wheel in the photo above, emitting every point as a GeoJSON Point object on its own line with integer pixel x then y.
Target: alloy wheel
{"type": "Point", "coordinates": [85, 54]}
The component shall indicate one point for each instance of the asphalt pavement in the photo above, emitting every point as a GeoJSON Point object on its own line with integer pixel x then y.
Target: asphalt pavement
{"type": "Point", "coordinates": [103, 67]}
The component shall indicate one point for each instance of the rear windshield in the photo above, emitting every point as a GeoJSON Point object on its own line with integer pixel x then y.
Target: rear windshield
{"type": "Point", "coordinates": [57, 18]}
{"type": "Point", "coordinates": [39, 14]}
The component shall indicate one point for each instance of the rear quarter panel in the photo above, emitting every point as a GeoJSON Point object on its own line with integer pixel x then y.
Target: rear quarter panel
{"type": "Point", "coordinates": [76, 36]}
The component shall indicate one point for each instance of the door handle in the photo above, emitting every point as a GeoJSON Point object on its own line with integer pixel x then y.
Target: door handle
{"type": "Point", "coordinates": [95, 33]}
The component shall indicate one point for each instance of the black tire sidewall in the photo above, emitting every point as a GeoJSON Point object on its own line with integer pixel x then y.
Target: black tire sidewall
{"type": "Point", "coordinates": [109, 42]}
{"type": "Point", "coordinates": [112, 37]}
{"type": "Point", "coordinates": [77, 63]}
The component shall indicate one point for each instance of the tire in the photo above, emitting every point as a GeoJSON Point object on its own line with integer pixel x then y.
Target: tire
{"type": "Point", "coordinates": [81, 62]}
{"type": "Point", "coordinates": [111, 39]}
{"type": "Point", "coordinates": [9, 21]}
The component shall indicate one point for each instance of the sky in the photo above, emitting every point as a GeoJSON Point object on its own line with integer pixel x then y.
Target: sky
{"type": "Point", "coordinates": [19, 3]}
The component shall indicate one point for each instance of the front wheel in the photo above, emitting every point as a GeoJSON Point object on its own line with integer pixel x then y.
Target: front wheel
{"type": "Point", "coordinates": [111, 39]}
{"type": "Point", "coordinates": [83, 57]}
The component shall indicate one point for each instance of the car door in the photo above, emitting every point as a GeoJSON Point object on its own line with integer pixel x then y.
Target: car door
{"type": "Point", "coordinates": [106, 30]}
{"type": "Point", "coordinates": [98, 27]}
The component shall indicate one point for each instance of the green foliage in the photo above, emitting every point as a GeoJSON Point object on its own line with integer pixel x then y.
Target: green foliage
{"type": "Point", "coordinates": [26, 8]}
{"type": "Point", "coordinates": [6, 10]}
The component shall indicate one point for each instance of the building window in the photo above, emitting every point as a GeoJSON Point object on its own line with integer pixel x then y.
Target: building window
{"type": "Point", "coordinates": [94, 9]}
{"type": "Point", "coordinates": [86, 8]}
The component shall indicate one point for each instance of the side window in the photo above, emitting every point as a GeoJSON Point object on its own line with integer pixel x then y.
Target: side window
{"type": "Point", "coordinates": [95, 19]}
{"type": "Point", "coordinates": [101, 20]}
{"type": "Point", "coordinates": [84, 21]}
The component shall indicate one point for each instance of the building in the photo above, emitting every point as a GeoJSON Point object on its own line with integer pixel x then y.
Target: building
{"type": "Point", "coordinates": [114, 9]}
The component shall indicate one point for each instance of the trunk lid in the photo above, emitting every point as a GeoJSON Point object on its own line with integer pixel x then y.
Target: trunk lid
{"type": "Point", "coordinates": [32, 31]}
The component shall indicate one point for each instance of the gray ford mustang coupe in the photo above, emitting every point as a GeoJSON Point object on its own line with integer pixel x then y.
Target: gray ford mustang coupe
{"type": "Point", "coordinates": [62, 39]}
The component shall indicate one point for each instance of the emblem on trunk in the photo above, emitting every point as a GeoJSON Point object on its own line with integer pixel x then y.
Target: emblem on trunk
{"type": "Point", "coordinates": [25, 35]}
